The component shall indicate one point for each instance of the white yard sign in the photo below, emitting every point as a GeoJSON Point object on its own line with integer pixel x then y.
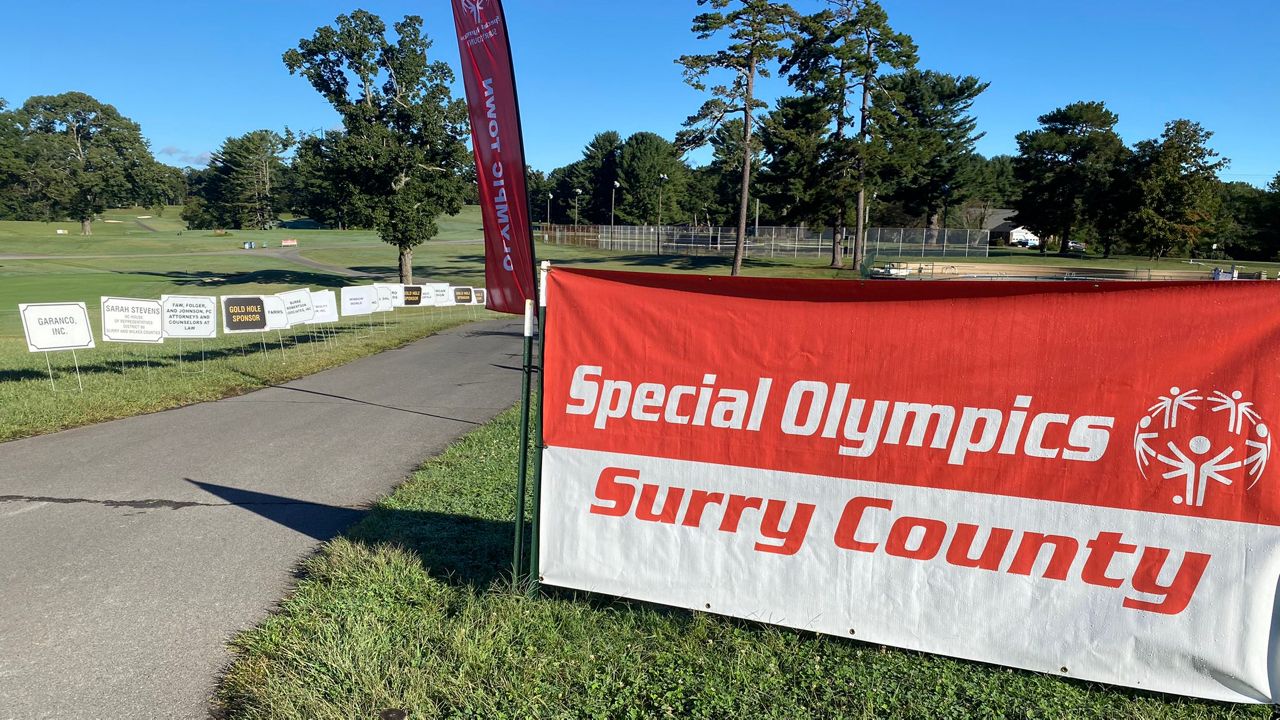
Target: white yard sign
{"type": "Point", "coordinates": [383, 301]}
{"type": "Point", "coordinates": [326, 306]}
{"type": "Point", "coordinates": [189, 316]}
{"type": "Point", "coordinates": [277, 317]}
{"type": "Point", "coordinates": [132, 320]}
{"type": "Point", "coordinates": [299, 306]}
{"type": "Point", "coordinates": [435, 294]}
{"type": "Point", "coordinates": [396, 290]}
{"type": "Point", "coordinates": [56, 326]}
{"type": "Point", "coordinates": [358, 300]}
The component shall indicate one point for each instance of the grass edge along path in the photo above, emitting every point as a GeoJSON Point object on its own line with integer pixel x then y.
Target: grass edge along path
{"type": "Point", "coordinates": [122, 380]}
{"type": "Point", "coordinates": [413, 609]}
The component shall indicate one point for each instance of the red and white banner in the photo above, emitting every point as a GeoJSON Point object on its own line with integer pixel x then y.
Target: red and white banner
{"type": "Point", "coordinates": [495, 136]}
{"type": "Point", "coordinates": [1070, 478]}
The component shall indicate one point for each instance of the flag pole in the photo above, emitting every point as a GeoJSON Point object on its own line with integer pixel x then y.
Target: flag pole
{"type": "Point", "coordinates": [517, 560]}
{"type": "Point", "coordinates": [535, 570]}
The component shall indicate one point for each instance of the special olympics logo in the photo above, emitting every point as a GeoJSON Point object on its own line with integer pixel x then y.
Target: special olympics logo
{"type": "Point", "coordinates": [1218, 437]}
{"type": "Point", "coordinates": [474, 7]}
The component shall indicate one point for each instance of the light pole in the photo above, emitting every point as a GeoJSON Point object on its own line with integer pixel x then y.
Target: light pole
{"type": "Point", "coordinates": [549, 196]}
{"type": "Point", "coordinates": [612, 200]}
{"type": "Point", "coordinates": [577, 193]}
{"type": "Point", "coordinates": [662, 182]}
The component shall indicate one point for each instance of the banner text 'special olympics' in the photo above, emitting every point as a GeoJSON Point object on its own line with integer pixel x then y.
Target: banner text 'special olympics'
{"type": "Point", "coordinates": [860, 425]}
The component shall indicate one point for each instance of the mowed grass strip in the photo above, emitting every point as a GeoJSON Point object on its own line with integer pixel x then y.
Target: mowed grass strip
{"type": "Point", "coordinates": [412, 610]}
{"type": "Point", "coordinates": [121, 380]}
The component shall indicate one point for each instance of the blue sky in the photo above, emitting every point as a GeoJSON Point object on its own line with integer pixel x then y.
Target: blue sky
{"type": "Point", "coordinates": [194, 73]}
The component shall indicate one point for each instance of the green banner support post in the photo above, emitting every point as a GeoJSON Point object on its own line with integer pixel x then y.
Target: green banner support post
{"type": "Point", "coordinates": [517, 560]}
{"type": "Point", "coordinates": [535, 572]}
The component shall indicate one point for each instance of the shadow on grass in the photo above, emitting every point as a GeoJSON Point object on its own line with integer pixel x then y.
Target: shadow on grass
{"type": "Point", "coordinates": [20, 375]}
{"type": "Point", "coordinates": [107, 360]}
{"type": "Point", "coordinates": [302, 224]}
{"type": "Point", "coordinates": [454, 549]}
{"type": "Point", "coordinates": [206, 278]}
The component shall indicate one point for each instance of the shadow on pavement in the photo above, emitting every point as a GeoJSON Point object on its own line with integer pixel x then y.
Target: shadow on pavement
{"type": "Point", "coordinates": [360, 402]}
{"type": "Point", "coordinates": [316, 520]}
{"type": "Point", "coordinates": [453, 548]}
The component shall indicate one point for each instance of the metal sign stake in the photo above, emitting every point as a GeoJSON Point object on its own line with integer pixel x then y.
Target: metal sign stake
{"type": "Point", "coordinates": [75, 360]}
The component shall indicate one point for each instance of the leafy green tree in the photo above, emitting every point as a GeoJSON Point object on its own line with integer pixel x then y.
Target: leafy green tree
{"type": "Point", "coordinates": [700, 201]}
{"type": "Point", "coordinates": [757, 31]}
{"type": "Point", "coordinates": [795, 180]}
{"type": "Point", "coordinates": [725, 169]}
{"type": "Point", "coordinates": [11, 166]}
{"type": "Point", "coordinates": [1176, 199]}
{"type": "Point", "coordinates": [170, 187]}
{"type": "Point", "coordinates": [595, 174]}
{"type": "Point", "coordinates": [929, 132]}
{"type": "Point", "coordinates": [241, 187]}
{"type": "Point", "coordinates": [83, 157]}
{"type": "Point", "coordinates": [325, 172]}
{"type": "Point", "coordinates": [839, 56]}
{"type": "Point", "coordinates": [1065, 168]}
{"type": "Point", "coordinates": [645, 158]}
{"type": "Point", "coordinates": [1248, 222]}
{"type": "Point", "coordinates": [989, 186]}
{"type": "Point", "coordinates": [539, 186]}
{"type": "Point", "coordinates": [403, 149]}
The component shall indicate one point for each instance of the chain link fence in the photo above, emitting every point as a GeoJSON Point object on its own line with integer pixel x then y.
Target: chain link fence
{"type": "Point", "coordinates": [766, 241]}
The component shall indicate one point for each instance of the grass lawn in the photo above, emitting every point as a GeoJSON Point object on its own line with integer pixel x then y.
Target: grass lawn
{"type": "Point", "coordinates": [411, 610]}
{"type": "Point", "coordinates": [122, 380]}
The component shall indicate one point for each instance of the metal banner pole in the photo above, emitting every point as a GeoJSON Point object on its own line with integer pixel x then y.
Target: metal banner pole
{"type": "Point", "coordinates": [535, 572]}
{"type": "Point", "coordinates": [52, 386]}
{"type": "Point", "coordinates": [522, 467]}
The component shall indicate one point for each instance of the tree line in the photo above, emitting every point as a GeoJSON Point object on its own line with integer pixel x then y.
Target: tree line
{"type": "Point", "coordinates": [865, 135]}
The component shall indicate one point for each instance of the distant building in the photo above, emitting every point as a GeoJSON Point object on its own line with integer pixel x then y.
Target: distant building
{"type": "Point", "coordinates": [1005, 231]}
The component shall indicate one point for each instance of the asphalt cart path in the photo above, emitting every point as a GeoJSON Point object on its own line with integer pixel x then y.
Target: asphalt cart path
{"type": "Point", "coordinates": [131, 551]}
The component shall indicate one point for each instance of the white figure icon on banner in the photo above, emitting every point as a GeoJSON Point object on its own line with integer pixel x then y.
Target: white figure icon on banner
{"type": "Point", "coordinates": [474, 7]}
{"type": "Point", "coordinates": [1238, 411]}
{"type": "Point", "coordinates": [1201, 462]}
{"type": "Point", "coordinates": [1169, 406]}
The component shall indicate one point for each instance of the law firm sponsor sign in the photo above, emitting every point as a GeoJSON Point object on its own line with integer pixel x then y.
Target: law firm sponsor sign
{"type": "Point", "coordinates": [132, 320]}
{"type": "Point", "coordinates": [189, 316]}
{"type": "Point", "coordinates": [909, 464]}
{"type": "Point", "coordinates": [56, 326]}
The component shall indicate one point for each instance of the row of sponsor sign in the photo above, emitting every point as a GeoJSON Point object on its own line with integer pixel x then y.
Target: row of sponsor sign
{"type": "Point", "coordinates": [65, 326]}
